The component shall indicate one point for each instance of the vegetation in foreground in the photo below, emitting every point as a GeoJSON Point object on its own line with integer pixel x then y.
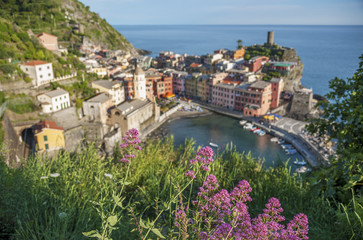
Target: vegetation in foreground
{"type": "Point", "coordinates": [64, 197]}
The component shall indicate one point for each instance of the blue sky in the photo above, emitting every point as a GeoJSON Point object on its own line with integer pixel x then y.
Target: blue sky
{"type": "Point", "coordinates": [309, 12]}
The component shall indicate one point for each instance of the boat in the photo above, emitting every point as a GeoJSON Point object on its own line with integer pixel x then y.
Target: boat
{"type": "Point", "coordinates": [286, 146]}
{"type": "Point", "coordinates": [242, 122]}
{"type": "Point", "coordinates": [281, 141]}
{"type": "Point", "coordinates": [274, 139]}
{"type": "Point", "coordinates": [301, 163]}
{"type": "Point", "coordinates": [303, 169]}
{"type": "Point", "coordinates": [254, 129]}
{"type": "Point", "coordinates": [213, 145]}
{"type": "Point", "coordinates": [248, 126]}
{"type": "Point", "coordinates": [291, 151]}
{"type": "Point", "coordinates": [261, 133]}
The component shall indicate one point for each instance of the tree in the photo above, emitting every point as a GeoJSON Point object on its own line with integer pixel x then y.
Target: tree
{"type": "Point", "coordinates": [343, 120]}
{"type": "Point", "coordinates": [239, 42]}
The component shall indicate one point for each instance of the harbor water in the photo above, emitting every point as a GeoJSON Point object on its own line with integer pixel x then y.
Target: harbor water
{"type": "Point", "coordinates": [223, 130]}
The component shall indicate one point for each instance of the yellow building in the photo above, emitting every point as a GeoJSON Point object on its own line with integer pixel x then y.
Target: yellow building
{"type": "Point", "coordinates": [49, 136]}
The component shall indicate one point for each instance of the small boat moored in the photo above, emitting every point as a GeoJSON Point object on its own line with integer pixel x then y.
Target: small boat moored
{"type": "Point", "coordinates": [291, 151]}
{"type": "Point", "coordinates": [242, 122]}
{"type": "Point", "coordinates": [301, 163]}
{"type": "Point", "coordinates": [303, 169]}
{"type": "Point", "coordinates": [274, 139]}
{"type": "Point", "coordinates": [213, 145]}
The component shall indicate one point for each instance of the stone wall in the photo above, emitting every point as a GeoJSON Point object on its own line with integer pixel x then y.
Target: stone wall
{"type": "Point", "coordinates": [13, 148]}
{"type": "Point", "coordinates": [301, 104]}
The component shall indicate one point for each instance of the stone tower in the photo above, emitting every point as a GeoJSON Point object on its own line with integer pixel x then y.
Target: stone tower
{"type": "Point", "coordinates": [139, 83]}
{"type": "Point", "coordinates": [270, 38]}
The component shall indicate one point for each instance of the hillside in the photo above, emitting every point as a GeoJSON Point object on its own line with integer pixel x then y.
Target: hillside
{"type": "Point", "coordinates": [70, 21]}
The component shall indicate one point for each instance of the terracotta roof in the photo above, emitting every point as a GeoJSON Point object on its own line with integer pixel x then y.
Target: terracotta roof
{"type": "Point", "coordinates": [44, 33]}
{"type": "Point", "coordinates": [45, 124]}
{"type": "Point", "coordinates": [194, 65]}
{"type": "Point", "coordinates": [35, 63]}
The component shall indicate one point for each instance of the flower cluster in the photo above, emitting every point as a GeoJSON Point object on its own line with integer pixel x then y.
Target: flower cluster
{"type": "Point", "coordinates": [130, 141]}
{"type": "Point", "coordinates": [202, 161]}
{"type": "Point", "coordinates": [224, 215]}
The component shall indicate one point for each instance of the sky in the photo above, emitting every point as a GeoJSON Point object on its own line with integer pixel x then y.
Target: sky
{"type": "Point", "coordinates": [274, 12]}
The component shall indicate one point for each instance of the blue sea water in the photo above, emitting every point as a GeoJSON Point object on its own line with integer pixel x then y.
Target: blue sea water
{"type": "Point", "coordinates": [326, 51]}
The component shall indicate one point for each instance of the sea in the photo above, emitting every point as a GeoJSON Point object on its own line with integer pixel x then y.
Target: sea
{"type": "Point", "coordinates": [326, 52]}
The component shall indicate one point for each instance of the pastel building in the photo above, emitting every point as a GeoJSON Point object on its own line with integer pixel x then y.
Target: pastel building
{"type": "Point", "coordinates": [179, 82]}
{"type": "Point", "coordinates": [223, 95]}
{"type": "Point", "coordinates": [54, 101]}
{"type": "Point", "coordinates": [48, 41]}
{"type": "Point", "coordinates": [277, 86]}
{"type": "Point", "coordinates": [254, 99]}
{"type": "Point", "coordinates": [49, 137]}
{"type": "Point", "coordinates": [41, 72]}
{"type": "Point", "coordinates": [113, 88]}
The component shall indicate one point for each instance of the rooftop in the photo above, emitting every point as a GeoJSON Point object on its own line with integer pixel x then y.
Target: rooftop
{"type": "Point", "coordinates": [276, 80]}
{"type": "Point", "coordinates": [35, 63]}
{"type": "Point", "coordinates": [105, 83]}
{"type": "Point", "coordinates": [45, 124]}
{"type": "Point", "coordinates": [44, 33]}
{"type": "Point", "coordinates": [101, 98]}
{"type": "Point", "coordinates": [128, 107]}
{"type": "Point", "coordinates": [260, 84]}
{"type": "Point", "coordinates": [55, 93]}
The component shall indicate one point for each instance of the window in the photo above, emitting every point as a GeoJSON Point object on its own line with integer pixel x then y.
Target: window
{"type": "Point", "coordinates": [40, 69]}
{"type": "Point", "coordinates": [26, 69]}
{"type": "Point", "coordinates": [47, 67]}
{"type": "Point", "coordinates": [46, 146]}
{"type": "Point", "coordinates": [48, 74]}
{"type": "Point", "coordinates": [41, 76]}
{"type": "Point", "coordinates": [45, 138]}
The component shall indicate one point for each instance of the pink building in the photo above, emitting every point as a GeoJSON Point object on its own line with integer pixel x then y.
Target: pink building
{"type": "Point", "coordinates": [253, 99]}
{"type": "Point", "coordinates": [277, 86]}
{"type": "Point", "coordinates": [48, 41]}
{"type": "Point", "coordinates": [179, 82]}
{"type": "Point", "coordinates": [223, 95]}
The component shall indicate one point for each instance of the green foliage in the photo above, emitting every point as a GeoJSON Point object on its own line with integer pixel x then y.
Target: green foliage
{"type": "Point", "coordinates": [21, 103]}
{"type": "Point", "coordinates": [155, 175]}
{"type": "Point", "coordinates": [7, 68]}
{"type": "Point", "coordinates": [343, 120]}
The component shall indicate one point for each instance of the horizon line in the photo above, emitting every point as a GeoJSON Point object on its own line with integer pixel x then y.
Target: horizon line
{"type": "Point", "coordinates": [212, 24]}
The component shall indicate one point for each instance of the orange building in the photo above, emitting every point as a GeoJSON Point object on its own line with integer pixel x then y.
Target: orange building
{"type": "Point", "coordinates": [239, 53]}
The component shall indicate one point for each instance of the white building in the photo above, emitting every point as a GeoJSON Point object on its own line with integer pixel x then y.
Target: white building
{"type": "Point", "coordinates": [54, 101]}
{"type": "Point", "coordinates": [139, 84]}
{"type": "Point", "coordinates": [41, 72]}
{"type": "Point", "coordinates": [113, 88]}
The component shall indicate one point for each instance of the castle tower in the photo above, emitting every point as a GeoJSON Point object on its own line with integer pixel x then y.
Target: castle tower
{"type": "Point", "coordinates": [139, 83]}
{"type": "Point", "coordinates": [270, 38]}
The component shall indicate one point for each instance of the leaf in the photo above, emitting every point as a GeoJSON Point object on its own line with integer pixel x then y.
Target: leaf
{"type": "Point", "coordinates": [158, 233]}
{"type": "Point", "coordinates": [117, 200]}
{"type": "Point", "coordinates": [142, 224]}
{"type": "Point", "coordinates": [92, 234]}
{"type": "Point", "coordinates": [112, 220]}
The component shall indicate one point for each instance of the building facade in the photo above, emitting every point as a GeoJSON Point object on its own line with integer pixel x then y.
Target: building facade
{"type": "Point", "coordinates": [95, 109]}
{"type": "Point", "coordinates": [39, 71]}
{"type": "Point", "coordinates": [113, 88]}
{"type": "Point", "coordinates": [49, 137]}
{"type": "Point", "coordinates": [54, 101]}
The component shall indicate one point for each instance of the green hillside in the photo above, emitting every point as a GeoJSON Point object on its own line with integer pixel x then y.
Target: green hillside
{"type": "Point", "coordinates": [69, 20]}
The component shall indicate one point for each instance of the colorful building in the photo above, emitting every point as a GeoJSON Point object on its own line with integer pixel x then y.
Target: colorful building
{"type": "Point", "coordinates": [253, 99]}
{"type": "Point", "coordinates": [256, 63]}
{"type": "Point", "coordinates": [113, 88]}
{"type": "Point", "coordinates": [223, 95]}
{"type": "Point", "coordinates": [49, 137]}
{"type": "Point", "coordinates": [277, 86]}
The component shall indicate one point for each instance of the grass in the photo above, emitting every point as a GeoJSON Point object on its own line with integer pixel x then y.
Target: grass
{"type": "Point", "coordinates": [32, 208]}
